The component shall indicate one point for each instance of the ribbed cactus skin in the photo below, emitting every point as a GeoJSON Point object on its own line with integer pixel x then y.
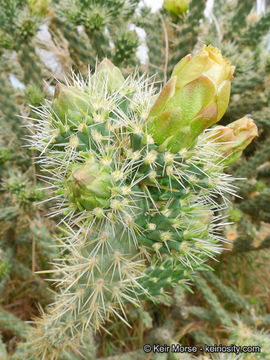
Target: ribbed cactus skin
{"type": "Point", "coordinates": [15, 216]}
{"type": "Point", "coordinates": [136, 218]}
{"type": "Point", "coordinates": [27, 240]}
{"type": "Point", "coordinates": [238, 31]}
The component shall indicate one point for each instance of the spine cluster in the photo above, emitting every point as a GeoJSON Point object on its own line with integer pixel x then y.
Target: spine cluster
{"type": "Point", "coordinates": [137, 216]}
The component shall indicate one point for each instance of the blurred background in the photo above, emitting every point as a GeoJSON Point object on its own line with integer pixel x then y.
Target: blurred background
{"type": "Point", "coordinates": [40, 41]}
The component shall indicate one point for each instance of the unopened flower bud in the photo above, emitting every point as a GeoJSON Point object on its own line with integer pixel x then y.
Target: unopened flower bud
{"type": "Point", "coordinates": [90, 186]}
{"type": "Point", "coordinates": [72, 106]}
{"type": "Point", "coordinates": [234, 138]}
{"type": "Point", "coordinates": [196, 97]}
{"type": "Point", "coordinates": [109, 74]}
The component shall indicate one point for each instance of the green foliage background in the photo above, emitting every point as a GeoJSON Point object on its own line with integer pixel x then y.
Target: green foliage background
{"type": "Point", "coordinates": [229, 305]}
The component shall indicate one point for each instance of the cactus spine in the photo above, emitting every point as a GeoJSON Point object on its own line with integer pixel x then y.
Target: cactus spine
{"type": "Point", "coordinates": [137, 209]}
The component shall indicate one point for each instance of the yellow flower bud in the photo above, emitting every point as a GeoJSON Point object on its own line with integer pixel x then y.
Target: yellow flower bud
{"type": "Point", "coordinates": [196, 97]}
{"type": "Point", "coordinates": [234, 138]}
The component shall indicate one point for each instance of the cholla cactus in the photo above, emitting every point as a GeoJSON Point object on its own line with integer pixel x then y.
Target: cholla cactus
{"type": "Point", "coordinates": [243, 335]}
{"type": "Point", "coordinates": [137, 207]}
